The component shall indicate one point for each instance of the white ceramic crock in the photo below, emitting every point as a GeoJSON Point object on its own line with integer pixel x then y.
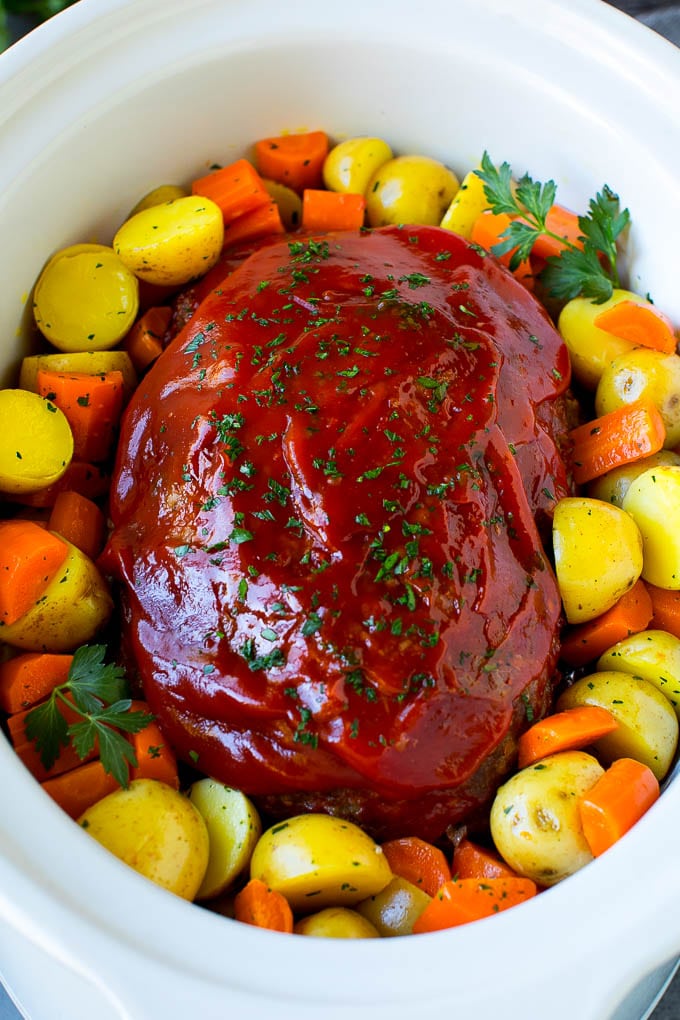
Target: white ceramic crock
{"type": "Point", "coordinates": [116, 96]}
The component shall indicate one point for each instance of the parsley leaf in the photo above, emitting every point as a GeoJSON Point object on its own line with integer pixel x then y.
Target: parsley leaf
{"type": "Point", "coordinates": [95, 691]}
{"type": "Point", "coordinates": [587, 267]}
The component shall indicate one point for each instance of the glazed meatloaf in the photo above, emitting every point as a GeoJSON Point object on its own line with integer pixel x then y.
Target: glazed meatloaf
{"type": "Point", "coordinates": [327, 508]}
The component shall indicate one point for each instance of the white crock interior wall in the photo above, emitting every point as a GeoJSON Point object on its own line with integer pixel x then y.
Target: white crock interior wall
{"type": "Point", "coordinates": [158, 90]}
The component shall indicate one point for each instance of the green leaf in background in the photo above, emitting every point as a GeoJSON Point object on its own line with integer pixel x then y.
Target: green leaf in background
{"type": "Point", "coordinates": [34, 11]}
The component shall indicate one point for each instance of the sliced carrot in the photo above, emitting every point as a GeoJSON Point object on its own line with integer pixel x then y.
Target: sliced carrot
{"type": "Point", "coordinates": [620, 437]}
{"type": "Point", "coordinates": [261, 222]}
{"type": "Point", "coordinates": [80, 521]}
{"type": "Point", "coordinates": [559, 221]}
{"type": "Point", "coordinates": [30, 677]}
{"type": "Point", "coordinates": [144, 342]}
{"type": "Point", "coordinates": [155, 757]}
{"type": "Point", "coordinates": [633, 612]}
{"type": "Point", "coordinates": [616, 802]}
{"type": "Point", "coordinates": [30, 556]}
{"type": "Point", "coordinates": [470, 860]}
{"type": "Point", "coordinates": [79, 789]}
{"type": "Point", "coordinates": [26, 750]}
{"type": "Point", "coordinates": [564, 731]}
{"type": "Point", "coordinates": [470, 899]}
{"type": "Point", "coordinates": [486, 232]}
{"type": "Point", "coordinates": [265, 908]}
{"type": "Point", "coordinates": [92, 404]}
{"type": "Point", "coordinates": [237, 189]}
{"type": "Point", "coordinates": [420, 863]}
{"type": "Point", "coordinates": [89, 480]}
{"type": "Point", "coordinates": [642, 324]}
{"type": "Point", "coordinates": [332, 210]}
{"type": "Point", "coordinates": [665, 609]}
{"type": "Point", "coordinates": [295, 160]}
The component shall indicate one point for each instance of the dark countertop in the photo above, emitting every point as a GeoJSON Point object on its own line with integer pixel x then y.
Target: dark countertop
{"type": "Point", "coordinates": [663, 16]}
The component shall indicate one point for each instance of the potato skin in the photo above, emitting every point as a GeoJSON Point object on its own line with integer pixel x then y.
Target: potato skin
{"type": "Point", "coordinates": [598, 555]}
{"type": "Point", "coordinates": [155, 830]}
{"type": "Point", "coordinates": [74, 606]}
{"type": "Point", "coordinates": [351, 164]}
{"type": "Point", "coordinates": [648, 725]}
{"type": "Point", "coordinates": [173, 243]}
{"type": "Point", "coordinates": [234, 828]}
{"type": "Point", "coordinates": [37, 442]}
{"type": "Point", "coordinates": [336, 923]}
{"type": "Point", "coordinates": [591, 349]}
{"type": "Point", "coordinates": [643, 374]}
{"type": "Point", "coordinates": [535, 822]}
{"type": "Point", "coordinates": [653, 655]}
{"type": "Point", "coordinates": [653, 501]}
{"type": "Point", "coordinates": [318, 860]}
{"type": "Point", "coordinates": [613, 486]}
{"type": "Point", "coordinates": [410, 189]}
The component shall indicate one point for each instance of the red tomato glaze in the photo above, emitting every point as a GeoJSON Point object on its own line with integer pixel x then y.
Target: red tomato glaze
{"type": "Point", "coordinates": [324, 511]}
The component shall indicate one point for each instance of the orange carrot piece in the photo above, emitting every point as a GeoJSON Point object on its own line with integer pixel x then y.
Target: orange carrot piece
{"type": "Point", "coordinates": [92, 404]}
{"type": "Point", "coordinates": [261, 222]}
{"type": "Point", "coordinates": [332, 210]}
{"type": "Point", "coordinates": [641, 324]}
{"type": "Point", "coordinates": [144, 342]}
{"type": "Point", "coordinates": [665, 609]}
{"type": "Point", "coordinates": [564, 731]}
{"type": "Point", "coordinates": [586, 642]}
{"type": "Point", "coordinates": [616, 802]}
{"type": "Point", "coordinates": [620, 437]}
{"type": "Point", "coordinates": [30, 556]}
{"type": "Point", "coordinates": [470, 899]}
{"type": "Point", "coordinates": [486, 232]}
{"type": "Point", "coordinates": [295, 160]}
{"type": "Point", "coordinates": [80, 521]}
{"type": "Point", "coordinates": [470, 860]}
{"type": "Point", "coordinates": [79, 789]}
{"type": "Point", "coordinates": [26, 750]}
{"type": "Point", "coordinates": [237, 189]}
{"type": "Point", "coordinates": [420, 863]}
{"type": "Point", "coordinates": [265, 908]}
{"type": "Point", "coordinates": [563, 222]}
{"type": "Point", "coordinates": [30, 677]}
{"type": "Point", "coordinates": [155, 757]}
{"type": "Point", "coordinates": [88, 479]}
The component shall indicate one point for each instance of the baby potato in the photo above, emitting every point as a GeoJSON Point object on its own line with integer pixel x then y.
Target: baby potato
{"type": "Point", "coordinates": [648, 374]}
{"type": "Point", "coordinates": [74, 606]}
{"type": "Point", "coordinates": [467, 206]}
{"type": "Point", "coordinates": [157, 196]}
{"type": "Point", "coordinates": [653, 502]}
{"type": "Point", "coordinates": [410, 189]}
{"type": "Point", "coordinates": [613, 486]}
{"type": "Point", "coordinates": [648, 726]}
{"type": "Point", "coordinates": [317, 860]}
{"type": "Point", "coordinates": [37, 442]}
{"type": "Point", "coordinates": [591, 349]}
{"type": "Point", "coordinates": [234, 828]}
{"type": "Point", "coordinates": [287, 201]}
{"type": "Point", "coordinates": [535, 821]}
{"type": "Point", "coordinates": [172, 243]}
{"type": "Point", "coordinates": [598, 555]}
{"type": "Point", "coordinates": [336, 923]}
{"type": "Point", "coordinates": [155, 830]}
{"type": "Point", "coordinates": [653, 655]}
{"type": "Point", "coordinates": [395, 908]}
{"type": "Point", "coordinates": [351, 164]}
{"type": "Point", "coordinates": [85, 299]}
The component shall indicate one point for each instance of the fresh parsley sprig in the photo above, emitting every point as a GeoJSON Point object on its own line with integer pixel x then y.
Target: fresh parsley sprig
{"type": "Point", "coordinates": [97, 692]}
{"type": "Point", "coordinates": [589, 268]}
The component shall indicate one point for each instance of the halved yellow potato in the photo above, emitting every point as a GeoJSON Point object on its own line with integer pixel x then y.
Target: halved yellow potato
{"type": "Point", "coordinates": [653, 502]}
{"type": "Point", "coordinates": [653, 655]}
{"type": "Point", "coordinates": [37, 442]}
{"type": "Point", "coordinates": [234, 828]}
{"type": "Point", "coordinates": [336, 923]}
{"type": "Point", "coordinates": [591, 349]}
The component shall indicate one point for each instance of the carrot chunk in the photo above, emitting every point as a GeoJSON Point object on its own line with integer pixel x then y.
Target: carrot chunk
{"type": "Point", "coordinates": [620, 437]}
{"type": "Point", "coordinates": [80, 521]}
{"type": "Point", "coordinates": [265, 908]}
{"type": "Point", "coordinates": [261, 222]}
{"type": "Point", "coordinates": [79, 789]}
{"type": "Point", "coordinates": [470, 860]}
{"type": "Point", "coordinates": [30, 677]}
{"type": "Point", "coordinates": [30, 556]}
{"type": "Point", "coordinates": [419, 862]}
{"type": "Point", "coordinates": [564, 731]}
{"type": "Point", "coordinates": [616, 802]}
{"type": "Point", "coordinates": [144, 342]}
{"type": "Point", "coordinates": [92, 405]}
{"type": "Point", "coordinates": [237, 189]}
{"type": "Point", "coordinates": [641, 324]}
{"type": "Point", "coordinates": [332, 210]}
{"type": "Point", "coordinates": [585, 642]}
{"type": "Point", "coordinates": [295, 160]}
{"type": "Point", "coordinates": [559, 221]}
{"type": "Point", "coordinates": [89, 480]}
{"type": "Point", "coordinates": [486, 232]}
{"type": "Point", "coordinates": [155, 757]}
{"type": "Point", "coordinates": [665, 609]}
{"type": "Point", "coordinates": [470, 899]}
